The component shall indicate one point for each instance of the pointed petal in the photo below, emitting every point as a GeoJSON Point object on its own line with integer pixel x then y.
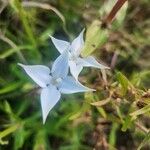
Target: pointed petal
{"type": "Point", "coordinates": [60, 66]}
{"type": "Point", "coordinates": [75, 69]}
{"type": "Point", "coordinates": [78, 43]}
{"type": "Point", "coordinates": [39, 73]}
{"type": "Point", "coordinates": [69, 85]}
{"type": "Point", "coordinates": [92, 62]}
{"type": "Point", "coordinates": [49, 97]}
{"type": "Point", "coordinates": [60, 44]}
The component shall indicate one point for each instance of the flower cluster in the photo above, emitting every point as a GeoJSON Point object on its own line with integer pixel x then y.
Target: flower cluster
{"type": "Point", "coordinates": [56, 81]}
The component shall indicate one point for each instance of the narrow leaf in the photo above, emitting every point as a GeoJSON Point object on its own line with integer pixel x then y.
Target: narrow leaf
{"type": "Point", "coordinates": [127, 123]}
{"type": "Point", "coordinates": [101, 103]}
{"type": "Point", "coordinates": [140, 111]}
{"type": "Point", "coordinates": [123, 81]}
{"type": "Point", "coordinates": [11, 87]}
{"type": "Point", "coordinates": [112, 136]}
{"type": "Point", "coordinates": [9, 130]}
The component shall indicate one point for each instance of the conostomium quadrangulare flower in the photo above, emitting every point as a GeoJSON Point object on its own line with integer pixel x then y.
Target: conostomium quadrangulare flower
{"type": "Point", "coordinates": [76, 62]}
{"type": "Point", "coordinates": [53, 82]}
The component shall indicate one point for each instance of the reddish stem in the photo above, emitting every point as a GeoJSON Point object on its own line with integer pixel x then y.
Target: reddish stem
{"type": "Point", "coordinates": [113, 12]}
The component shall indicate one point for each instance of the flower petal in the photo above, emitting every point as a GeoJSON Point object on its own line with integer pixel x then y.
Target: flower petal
{"type": "Point", "coordinates": [75, 69]}
{"type": "Point", "coordinates": [49, 97]}
{"type": "Point", "coordinates": [91, 62]}
{"type": "Point", "coordinates": [78, 44]}
{"type": "Point", "coordinates": [60, 66]}
{"type": "Point", "coordinates": [39, 73]}
{"type": "Point", "coordinates": [69, 85]}
{"type": "Point", "coordinates": [60, 44]}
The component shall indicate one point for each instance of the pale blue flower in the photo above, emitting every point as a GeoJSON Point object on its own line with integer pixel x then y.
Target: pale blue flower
{"type": "Point", "coordinates": [53, 82]}
{"type": "Point", "coordinates": [76, 62]}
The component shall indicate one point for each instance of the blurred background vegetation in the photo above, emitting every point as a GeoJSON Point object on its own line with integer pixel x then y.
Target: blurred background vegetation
{"type": "Point", "coordinates": [116, 116]}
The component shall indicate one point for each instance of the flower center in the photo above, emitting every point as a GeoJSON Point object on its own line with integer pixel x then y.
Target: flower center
{"type": "Point", "coordinates": [56, 81]}
{"type": "Point", "coordinates": [72, 56]}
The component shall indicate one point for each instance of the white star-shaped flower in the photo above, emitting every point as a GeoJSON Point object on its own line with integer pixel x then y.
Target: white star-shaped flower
{"type": "Point", "coordinates": [76, 63]}
{"type": "Point", "coordinates": [53, 82]}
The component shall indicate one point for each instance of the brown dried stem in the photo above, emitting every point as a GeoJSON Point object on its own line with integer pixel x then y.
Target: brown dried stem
{"type": "Point", "coordinates": [113, 13]}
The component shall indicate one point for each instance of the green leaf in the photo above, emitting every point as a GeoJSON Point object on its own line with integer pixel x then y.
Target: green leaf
{"type": "Point", "coordinates": [123, 81]}
{"type": "Point", "coordinates": [19, 138]}
{"type": "Point", "coordinates": [75, 115]}
{"type": "Point", "coordinates": [40, 141]}
{"type": "Point", "coordinates": [16, 4]}
{"type": "Point", "coordinates": [127, 123]}
{"type": "Point", "coordinates": [3, 142]}
{"type": "Point", "coordinates": [140, 112]}
{"type": "Point", "coordinates": [112, 135]}
{"type": "Point", "coordinates": [9, 130]}
{"type": "Point", "coordinates": [8, 108]}
{"type": "Point", "coordinates": [9, 111]}
{"type": "Point", "coordinates": [11, 51]}
{"type": "Point", "coordinates": [22, 109]}
{"type": "Point", "coordinates": [102, 112]}
{"type": "Point", "coordinates": [145, 141]}
{"type": "Point", "coordinates": [120, 114]}
{"type": "Point", "coordinates": [101, 103]}
{"type": "Point", "coordinates": [138, 78]}
{"type": "Point", "coordinates": [13, 4]}
{"type": "Point", "coordinates": [89, 97]}
{"type": "Point", "coordinates": [95, 37]}
{"type": "Point", "coordinates": [45, 35]}
{"type": "Point", "coordinates": [11, 87]}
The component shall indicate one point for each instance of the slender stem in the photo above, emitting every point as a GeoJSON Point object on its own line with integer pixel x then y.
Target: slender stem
{"type": "Point", "coordinates": [113, 12]}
